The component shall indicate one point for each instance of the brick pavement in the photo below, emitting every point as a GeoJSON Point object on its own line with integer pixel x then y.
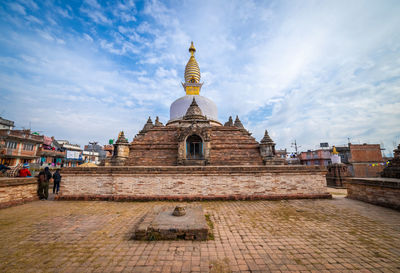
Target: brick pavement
{"type": "Point", "coordinates": [337, 235]}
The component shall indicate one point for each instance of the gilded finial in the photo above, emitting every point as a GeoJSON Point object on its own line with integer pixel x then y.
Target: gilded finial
{"type": "Point", "coordinates": [334, 151]}
{"type": "Point", "coordinates": [192, 49]}
{"type": "Point", "coordinates": [192, 70]}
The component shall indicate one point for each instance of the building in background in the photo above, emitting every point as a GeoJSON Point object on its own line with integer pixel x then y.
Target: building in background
{"type": "Point", "coordinates": [94, 147]}
{"type": "Point", "coordinates": [320, 157]}
{"type": "Point", "coordinates": [19, 146]}
{"type": "Point", "coordinates": [293, 159]}
{"type": "Point", "coordinates": [90, 156]}
{"type": "Point", "coordinates": [365, 160]}
{"type": "Point", "coordinates": [73, 153]}
{"type": "Point", "coordinates": [51, 153]}
{"type": "Point", "coordinates": [6, 124]}
{"type": "Point", "coordinates": [361, 160]}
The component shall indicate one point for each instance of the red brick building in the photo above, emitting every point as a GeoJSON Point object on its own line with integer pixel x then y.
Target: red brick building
{"type": "Point", "coordinates": [365, 160]}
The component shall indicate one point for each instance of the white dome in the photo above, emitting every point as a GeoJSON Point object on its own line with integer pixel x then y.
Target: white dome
{"type": "Point", "coordinates": [179, 107]}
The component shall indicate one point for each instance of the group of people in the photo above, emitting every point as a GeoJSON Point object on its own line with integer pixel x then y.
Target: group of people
{"type": "Point", "coordinates": [23, 172]}
{"type": "Point", "coordinates": [44, 181]}
{"type": "Point", "coordinates": [44, 178]}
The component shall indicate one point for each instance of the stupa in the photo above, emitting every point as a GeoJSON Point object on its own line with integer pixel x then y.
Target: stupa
{"type": "Point", "coordinates": [194, 135]}
{"type": "Point", "coordinates": [194, 157]}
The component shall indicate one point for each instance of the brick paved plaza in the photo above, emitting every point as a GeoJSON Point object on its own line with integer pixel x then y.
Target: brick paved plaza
{"type": "Point", "coordinates": [336, 235]}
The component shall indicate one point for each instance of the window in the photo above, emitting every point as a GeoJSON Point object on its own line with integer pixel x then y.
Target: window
{"type": "Point", "coordinates": [11, 145]}
{"type": "Point", "coordinates": [194, 147]}
{"type": "Point", "coordinates": [28, 147]}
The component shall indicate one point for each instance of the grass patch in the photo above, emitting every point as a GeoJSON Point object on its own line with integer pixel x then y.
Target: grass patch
{"type": "Point", "coordinates": [298, 261]}
{"type": "Point", "coordinates": [210, 224]}
{"type": "Point", "coordinates": [220, 266]}
{"type": "Point", "coordinates": [288, 213]}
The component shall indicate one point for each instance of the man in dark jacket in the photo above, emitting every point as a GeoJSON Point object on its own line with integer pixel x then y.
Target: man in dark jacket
{"type": "Point", "coordinates": [4, 168]}
{"type": "Point", "coordinates": [43, 183]}
{"type": "Point", "coordinates": [56, 181]}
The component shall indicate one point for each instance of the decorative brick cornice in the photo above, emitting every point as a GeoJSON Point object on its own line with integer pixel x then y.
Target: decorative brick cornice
{"type": "Point", "coordinates": [203, 170]}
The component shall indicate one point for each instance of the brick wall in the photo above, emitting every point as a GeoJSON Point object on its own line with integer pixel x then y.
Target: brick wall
{"type": "Point", "coordinates": [159, 147]}
{"type": "Point", "coordinates": [365, 170]}
{"type": "Point", "coordinates": [14, 191]}
{"type": "Point", "coordinates": [365, 152]}
{"type": "Point", "coordinates": [379, 191]}
{"type": "Point", "coordinates": [231, 146]}
{"type": "Point", "coordinates": [193, 183]}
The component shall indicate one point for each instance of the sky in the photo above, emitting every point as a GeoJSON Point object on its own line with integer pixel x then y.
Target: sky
{"type": "Point", "coordinates": [308, 71]}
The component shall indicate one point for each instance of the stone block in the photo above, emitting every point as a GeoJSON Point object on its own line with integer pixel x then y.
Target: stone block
{"type": "Point", "coordinates": [161, 224]}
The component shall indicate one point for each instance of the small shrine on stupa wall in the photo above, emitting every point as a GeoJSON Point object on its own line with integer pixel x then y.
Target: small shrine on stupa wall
{"type": "Point", "coordinates": [393, 168]}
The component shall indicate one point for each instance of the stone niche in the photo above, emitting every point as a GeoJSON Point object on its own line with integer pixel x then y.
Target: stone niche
{"type": "Point", "coordinates": [194, 130]}
{"type": "Point", "coordinates": [185, 222]}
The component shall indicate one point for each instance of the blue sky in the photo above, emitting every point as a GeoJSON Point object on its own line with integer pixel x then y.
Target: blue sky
{"type": "Point", "coordinates": [314, 71]}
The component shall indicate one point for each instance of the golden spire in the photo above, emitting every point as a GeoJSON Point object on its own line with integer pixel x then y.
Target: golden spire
{"type": "Point", "coordinates": [192, 49]}
{"type": "Point", "coordinates": [334, 151]}
{"type": "Point", "coordinates": [192, 70]}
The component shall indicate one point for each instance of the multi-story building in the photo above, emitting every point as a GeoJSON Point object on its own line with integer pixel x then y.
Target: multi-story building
{"type": "Point", "coordinates": [6, 124]}
{"type": "Point", "coordinates": [91, 156]}
{"type": "Point", "coordinates": [51, 153]}
{"type": "Point", "coordinates": [19, 146]}
{"type": "Point", "coordinates": [73, 153]}
{"type": "Point", "coordinates": [365, 160]}
{"type": "Point", "coordinates": [101, 153]}
{"type": "Point", "coordinates": [361, 160]}
{"type": "Point", "coordinates": [320, 157]}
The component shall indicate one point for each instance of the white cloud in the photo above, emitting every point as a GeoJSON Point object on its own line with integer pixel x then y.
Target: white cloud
{"type": "Point", "coordinates": [93, 4]}
{"type": "Point", "coordinates": [88, 37]}
{"type": "Point", "coordinates": [33, 19]}
{"type": "Point", "coordinates": [64, 13]}
{"type": "Point", "coordinates": [309, 71]}
{"type": "Point", "coordinates": [18, 8]}
{"type": "Point", "coordinates": [29, 3]}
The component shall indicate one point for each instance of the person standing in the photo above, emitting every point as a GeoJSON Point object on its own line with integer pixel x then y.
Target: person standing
{"type": "Point", "coordinates": [56, 181]}
{"type": "Point", "coordinates": [43, 183]}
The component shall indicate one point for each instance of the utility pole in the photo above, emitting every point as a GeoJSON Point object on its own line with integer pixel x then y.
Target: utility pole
{"type": "Point", "coordinates": [93, 143]}
{"type": "Point", "coordinates": [295, 146]}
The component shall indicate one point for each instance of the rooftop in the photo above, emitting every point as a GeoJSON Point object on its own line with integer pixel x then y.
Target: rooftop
{"type": "Point", "coordinates": [20, 135]}
{"type": "Point", "coordinates": [6, 122]}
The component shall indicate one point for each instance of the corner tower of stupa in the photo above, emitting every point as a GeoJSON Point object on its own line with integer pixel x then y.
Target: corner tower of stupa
{"type": "Point", "coordinates": [192, 87]}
